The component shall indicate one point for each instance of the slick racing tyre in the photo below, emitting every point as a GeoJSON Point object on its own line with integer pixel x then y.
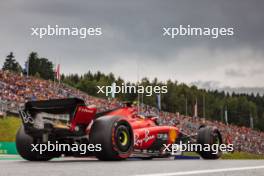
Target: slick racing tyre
{"type": "Point", "coordinates": [24, 147]}
{"type": "Point", "coordinates": [115, 136]}
{"type": "Point", "coordinates": [209, 135]}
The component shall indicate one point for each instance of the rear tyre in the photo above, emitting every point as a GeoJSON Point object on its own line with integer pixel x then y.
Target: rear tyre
{"type": "Point", "coordinates": [24, 147]}
{"type": "Point", "coordinates": [211, 136]}
{"type": "Point", "coordinates": [115, 136]}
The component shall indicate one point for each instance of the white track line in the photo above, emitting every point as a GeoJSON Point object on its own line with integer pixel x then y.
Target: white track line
{"type": "Point", "coordinates": [204, 171]}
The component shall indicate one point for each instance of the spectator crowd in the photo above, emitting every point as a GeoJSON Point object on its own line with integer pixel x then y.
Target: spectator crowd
{"type": "Point", "coordinates": [17, 89]}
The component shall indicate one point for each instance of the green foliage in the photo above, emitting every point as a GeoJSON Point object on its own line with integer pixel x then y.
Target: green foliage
{"type": "Point", "coordinates": [11, 64]}
{"type": "Point", "coordinates": [41, 67]}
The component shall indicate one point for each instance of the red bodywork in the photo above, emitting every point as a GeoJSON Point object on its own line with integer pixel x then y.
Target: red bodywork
{"type": "Point", "coordinates": [145, 129]}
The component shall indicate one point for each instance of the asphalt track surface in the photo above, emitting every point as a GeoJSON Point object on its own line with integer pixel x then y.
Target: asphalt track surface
{"type": "Point", "coordinates": [132, 167]}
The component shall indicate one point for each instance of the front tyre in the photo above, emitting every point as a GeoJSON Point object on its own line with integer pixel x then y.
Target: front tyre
{"type": "Point", "coordinates": [209, 136]}
{"type": "Point", "coordinates": [24, 147]}
{"type": "Point", "coordinates": [115, 136]}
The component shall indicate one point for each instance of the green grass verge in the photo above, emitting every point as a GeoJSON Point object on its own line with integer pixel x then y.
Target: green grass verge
{"type": "Point", "coordinates": [241, 155]}
{"type": "Point", "coordinates": [190, 154]}
{"type": "Point", "coordinates": [235, 155]}
{"type": "Point", "coordinates": [8, 128]}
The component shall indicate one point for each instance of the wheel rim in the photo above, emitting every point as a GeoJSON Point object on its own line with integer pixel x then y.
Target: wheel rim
{"type": "Point", "coordinates": [217, 139]}
{"type": "Point", "coordinates": [123, 138]}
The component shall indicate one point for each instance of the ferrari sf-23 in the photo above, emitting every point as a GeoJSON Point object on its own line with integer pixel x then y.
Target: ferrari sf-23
{"type": "Point", "coordinates": [121, 132]}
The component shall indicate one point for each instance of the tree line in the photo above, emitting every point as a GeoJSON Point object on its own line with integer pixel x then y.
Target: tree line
{"type": "Point", "coordinates": [34, 66]}
{"type": "Point", "coordinates": [212, 104]}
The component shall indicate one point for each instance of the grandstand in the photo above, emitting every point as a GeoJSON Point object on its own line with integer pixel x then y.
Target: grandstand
{"type": "Point", "coordinates": [17, 89]}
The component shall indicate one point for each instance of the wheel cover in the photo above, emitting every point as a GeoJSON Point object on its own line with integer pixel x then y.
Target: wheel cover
{"type": "Point", "coordinates": [123, 137]}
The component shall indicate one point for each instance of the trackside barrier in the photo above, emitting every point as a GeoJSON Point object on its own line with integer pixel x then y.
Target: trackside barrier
{"type": "Point", "coordinates": [8, 148]}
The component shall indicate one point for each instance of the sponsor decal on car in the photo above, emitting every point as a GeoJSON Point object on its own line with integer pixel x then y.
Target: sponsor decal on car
{"type": "Point", "coordinates": [140, 141]}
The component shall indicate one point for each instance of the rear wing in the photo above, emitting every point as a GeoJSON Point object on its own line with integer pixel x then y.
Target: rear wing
{"type": "Point", "coordinates": [54, 115]}
{"type": "Point", "coordinates": [56, 106]}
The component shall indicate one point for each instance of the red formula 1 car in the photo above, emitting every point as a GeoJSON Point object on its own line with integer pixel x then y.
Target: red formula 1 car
{"type": "Point", "coordinates": [112, 135]}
